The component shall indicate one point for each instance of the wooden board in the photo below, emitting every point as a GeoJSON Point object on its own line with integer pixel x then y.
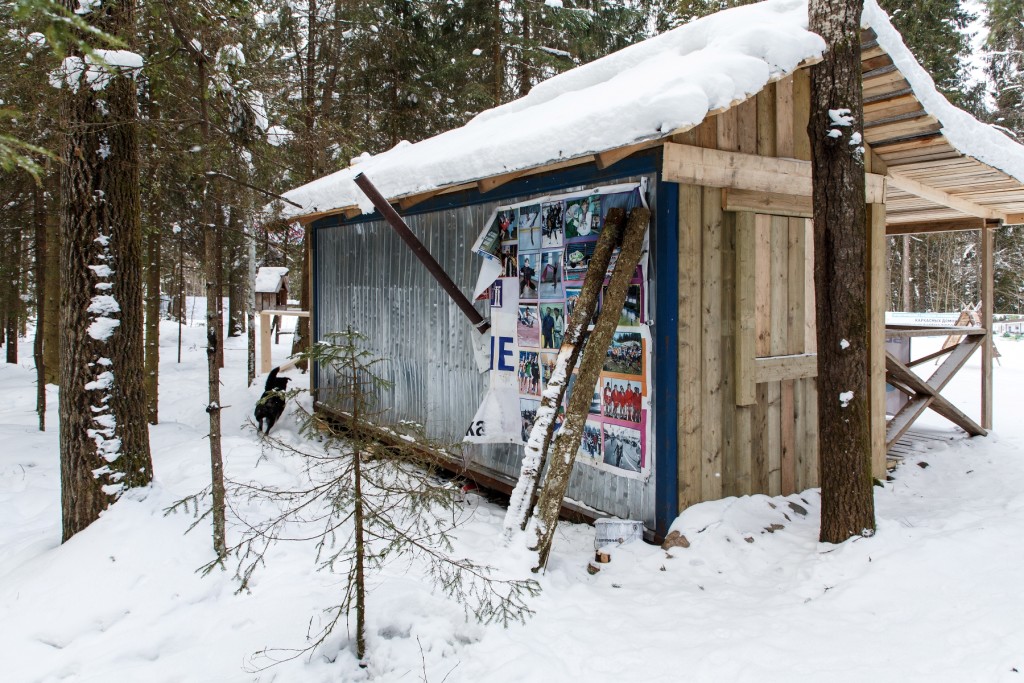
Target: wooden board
{"type": "Point", "coordinates": [746, 336]}
{"type": "Point", "coordinates": [711, 345]}
{"type": "Point", "coordinates": [690, 380]}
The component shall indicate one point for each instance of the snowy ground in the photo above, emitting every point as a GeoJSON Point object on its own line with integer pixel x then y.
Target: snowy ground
{"type": "Point", "coordinates": [934, 596]}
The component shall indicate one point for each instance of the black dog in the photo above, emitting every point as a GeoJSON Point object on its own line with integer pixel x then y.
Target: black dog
{"type": "Point", "coordinates": [271, 403]}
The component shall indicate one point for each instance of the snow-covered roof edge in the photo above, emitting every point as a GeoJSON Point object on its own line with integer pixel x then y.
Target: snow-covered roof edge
{"type": "Point", "coordinates": [643, 92]}
{"type": "Point", "coordinates": [673, 80]}
{"type": "Point", "coordinates": [967, 134]}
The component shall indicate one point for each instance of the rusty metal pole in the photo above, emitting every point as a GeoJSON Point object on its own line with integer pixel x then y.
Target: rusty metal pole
{"type": "Point", "coordinates": [391, 216]}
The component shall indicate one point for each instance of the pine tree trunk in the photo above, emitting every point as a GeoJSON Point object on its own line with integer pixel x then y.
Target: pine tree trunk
{"type": "Point", "coordinates": [181, 288]}
{"type": "Point", "coordinates": [525, 70]}
{"type": "Point", "coordinates": [840, 278]}
{"type": "Point", "coordinates": [104, 438]}
{"type": "Point", "coordinates": [51, 288]}
{"type": "Point", "coordinates": [219, 285]}
{"type": "Point", "coordinates": [12, 299]}
{"type": "Point", "coordinates": [250, 305]}
{"type": "Point", "coordinates": [153, 319]}
{"type": "Point", "coordinates": [358, 513]}
{"type": "Point", "coordinates": [907, 305]}
{"type": "Point", "coordinates": [567, 441]}
{"type": "Point", "coordinates": [209, 226]}
{"type": "Point", "coordinates": [39, 221]}
{"type": "Point", "coordinates": [497, 60]}
{"type": "Point", "coordinates": [236, 277]}
{"type": "Point", "coordinates": [300, 340]}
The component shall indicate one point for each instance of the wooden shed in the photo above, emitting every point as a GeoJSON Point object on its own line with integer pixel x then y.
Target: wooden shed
{"type": "Point", "coordinates": [730, 382]}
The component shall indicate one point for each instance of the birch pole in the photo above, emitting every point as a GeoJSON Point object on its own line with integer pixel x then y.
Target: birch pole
{"type": "Point", "coordinates": [567, 441]}
{"type": "Point", "coordinates": [524, 494]}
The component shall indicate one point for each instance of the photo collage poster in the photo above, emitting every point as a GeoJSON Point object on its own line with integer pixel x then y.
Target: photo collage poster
{"type": "Point", "coordinates": [546, 245]}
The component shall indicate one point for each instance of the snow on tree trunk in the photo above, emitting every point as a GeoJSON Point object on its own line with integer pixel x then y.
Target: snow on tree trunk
{"type": "Point", "coordinates": [567, 442]}
{"type": "Point", "coordinates": [523, 496]}
{"type": "Point", "coordinates": [104, 437]}
{"type": "Point", "coordinates": [841, 270]}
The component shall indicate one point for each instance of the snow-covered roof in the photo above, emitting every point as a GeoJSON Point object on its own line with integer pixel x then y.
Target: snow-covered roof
{"type": "Point", "coordinates": [646, 91]}
{"type": "Point", "coordinates": [269, 279]}
{"type": "Point", "coordinates": [963, 131]}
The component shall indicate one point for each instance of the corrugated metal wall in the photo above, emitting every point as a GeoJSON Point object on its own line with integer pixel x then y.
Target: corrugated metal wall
{"type": "Point", "coordinates": [366, 278]}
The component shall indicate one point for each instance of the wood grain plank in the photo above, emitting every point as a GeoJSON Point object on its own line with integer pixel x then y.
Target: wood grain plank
{"type": "Point", "coordinates": [746, 336]}
{"type": "Point", "coordinates": [711, 345]}
{"type": "Point", "coordinates": [787, 462]}
{"type": "Point", "coordinates": [691, 375]}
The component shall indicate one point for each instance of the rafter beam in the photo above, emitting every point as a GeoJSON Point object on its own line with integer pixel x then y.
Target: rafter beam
{"type": "Point", "coordinates": [946, 199]}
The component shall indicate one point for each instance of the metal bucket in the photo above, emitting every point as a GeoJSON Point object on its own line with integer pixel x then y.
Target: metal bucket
{"type": "Point", "coordinates": [610, 531]}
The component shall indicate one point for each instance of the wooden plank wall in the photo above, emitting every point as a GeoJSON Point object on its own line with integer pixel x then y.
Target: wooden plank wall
{"type": "Point", "coordinates": [745, 280]}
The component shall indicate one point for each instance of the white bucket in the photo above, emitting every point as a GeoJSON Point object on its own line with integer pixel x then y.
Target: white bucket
{"type": "Point", "coordinates": [610, 531]}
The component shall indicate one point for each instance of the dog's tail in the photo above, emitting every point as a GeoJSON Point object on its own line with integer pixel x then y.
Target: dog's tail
{"type": "Point", "coordinates": [271, 379]}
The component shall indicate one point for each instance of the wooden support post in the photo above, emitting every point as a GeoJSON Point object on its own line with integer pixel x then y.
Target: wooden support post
{"type": "Point", "coordinates": [878, 282]}
{"type": "Point", "coordinates": [691, 374]}
{"type": "Point", "coordinates": [711, 302]}
{"type": "Point", "coordinates": [987, 349]}
{"type": "Point", "coordinates": [265, 340]}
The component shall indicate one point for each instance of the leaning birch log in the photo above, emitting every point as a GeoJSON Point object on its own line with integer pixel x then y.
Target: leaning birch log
{"type": "Point", "coordinates": [523, 496]}
{"type": "Point", "coordinates": [567, 441]}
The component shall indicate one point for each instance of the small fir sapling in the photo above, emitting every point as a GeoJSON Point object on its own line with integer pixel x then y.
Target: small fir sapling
{"type": "Point", "coordinates": [367, 498]}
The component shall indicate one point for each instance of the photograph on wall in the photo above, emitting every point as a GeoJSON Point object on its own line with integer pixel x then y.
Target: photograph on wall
{"type": "Point", "coordinates": [632, 309]}
{"type": "Point", "coordinates": [506, 222]}
{"type": "Point", "coordinates": [528, 413]}
{"type": "Point", "coordinates": [528, 327]}
{"type": "Point", "coordinates": [625, 356]}
{"type": "Point", "coordinates": [577, 260]}
{"type": "Point", "coordinates": [623, 447]}
{"type": "Point", "coordinates": [529, 227]}
{"type": "Point", "coordinates": [528, 283]}
{"type": "Point", "coordinates": [572, 295]}
{"type": "Point", "coordinates": [617, 200]}
{"type": "Point", "coordinates": [529, 373]}
{"type": "Point", "coordinates": [621, 399]}
{"type": "Point", "coordinates": [552, 227]}
{"type": "Point", "coordinates": [552, 325]}
{"type": "Point", "coordinates": [510, 260]}
{"type": "Point", "coordinates": [488, 242]}
{"type": "Point", "coordinates": [547, 366]}
{"type": "Point", "coordinates": [583, 217]}
{"type": "Point", "coordinates": [590, 444]}
{"type": "Point", "coordinates": [550, 273]}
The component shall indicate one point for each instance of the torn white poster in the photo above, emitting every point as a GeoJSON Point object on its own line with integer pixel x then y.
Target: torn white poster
{"type": "Point", "coordinates": [498, 420]}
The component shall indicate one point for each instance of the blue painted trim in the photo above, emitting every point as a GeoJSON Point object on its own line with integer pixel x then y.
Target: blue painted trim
{"type": "Point", "coordinates": [586, 174]}
{"type": "Point", "coordinates": [665, 332]}
{"type": "Point", "coordinates": [314, 325]}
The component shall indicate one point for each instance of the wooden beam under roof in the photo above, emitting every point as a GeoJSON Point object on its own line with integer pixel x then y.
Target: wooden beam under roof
{"type": "Point", "coordinates": [485, 185]}
{"type": "Point", "coordinates": [915, 187]}
{"type": "Point", "coordinates": [948, 225]}
{"type": "Point", "coordinates": [738, 171]}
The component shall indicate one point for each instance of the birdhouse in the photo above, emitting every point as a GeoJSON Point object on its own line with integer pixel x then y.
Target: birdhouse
{"type": "Point", "coordinates": [271, 288]}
